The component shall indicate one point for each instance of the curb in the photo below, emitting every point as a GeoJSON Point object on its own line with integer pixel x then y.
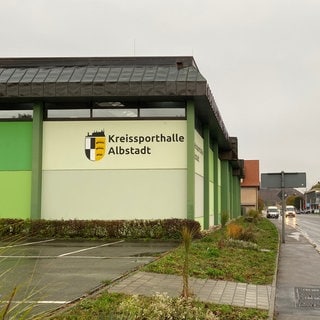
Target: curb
{"type": "Point", "coordinates": [274, 284]}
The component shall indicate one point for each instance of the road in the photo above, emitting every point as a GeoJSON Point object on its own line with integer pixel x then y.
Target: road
{"type": "Point", "coordinates": [306, 224]}
{"type": "Point", "coordinates": [309, 226]}
{"type": "Point", "coordinates": [298, 286]}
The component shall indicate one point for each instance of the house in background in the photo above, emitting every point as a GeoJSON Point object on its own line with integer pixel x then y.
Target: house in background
{"type": "Point", "coordinates": [250, 186]}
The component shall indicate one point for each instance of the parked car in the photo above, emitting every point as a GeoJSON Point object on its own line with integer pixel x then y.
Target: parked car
{"type": "Point", "coordinates": [272, 212]}
{"type": "Point", "coordinates": [290, 211]}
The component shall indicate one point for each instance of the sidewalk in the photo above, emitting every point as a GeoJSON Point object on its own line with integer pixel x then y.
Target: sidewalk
{"type": "Point", "coordinates": [298, 278]}
{"type": "Point", "coordinates": [216, 291]}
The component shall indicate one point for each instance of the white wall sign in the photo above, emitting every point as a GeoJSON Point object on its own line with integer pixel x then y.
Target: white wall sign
{"type": "Point", "coordinates": [114, 144]}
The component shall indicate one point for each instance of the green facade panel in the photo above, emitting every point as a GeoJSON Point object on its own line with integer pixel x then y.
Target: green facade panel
{"type": "Point", "coordinates": [15, 190]}
{"type": "Point", "coordinates": [36, 178]}
{"type": "Point", "coordinates": [237, 196]}
{"type": "Point", "coordinates": [211, 166]}
{"type": "Point", "coordinates": [15, 146]}
{"type": "Point", "coordinates": [207, 169]}
{"type": "Point", "coordinates": [190, 161]}
{"type": "Point", "coordinates": [225, 188]}
{"type": "Point", "coordinates": [217, 185]}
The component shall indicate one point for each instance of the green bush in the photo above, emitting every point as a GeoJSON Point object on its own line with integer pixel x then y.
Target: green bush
{"type": "Point", "coordinates": [253, 216]}
{"type": "Point", "coordinates": [98, 229]}
{"type": "Point", "coordinates": [224, 218]}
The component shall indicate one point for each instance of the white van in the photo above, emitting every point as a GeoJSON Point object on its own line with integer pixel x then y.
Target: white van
{"type": "Point", "coordinates": [290, 211]}
{"type": "Point", "coordinates": [272, 212]}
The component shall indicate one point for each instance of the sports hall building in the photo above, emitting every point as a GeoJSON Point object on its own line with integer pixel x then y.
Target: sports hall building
{"type": "Point", "coordinates": [114, 138]}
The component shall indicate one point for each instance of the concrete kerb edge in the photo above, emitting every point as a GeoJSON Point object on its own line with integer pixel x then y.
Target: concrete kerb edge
{"type": "Point", "coordinates": [274, 284]}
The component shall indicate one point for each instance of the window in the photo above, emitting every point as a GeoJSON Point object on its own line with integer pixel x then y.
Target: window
{"type": "Point", "coordinates": [163, 112]}
{"type": "Point", "coordinates": [115, 110]}
{"type": "Point", "coordinates": [114, 113]}
{"type": "Point", "coordinates": [16, 114]}
{"type": "Point", "coordinates": [68, 113]}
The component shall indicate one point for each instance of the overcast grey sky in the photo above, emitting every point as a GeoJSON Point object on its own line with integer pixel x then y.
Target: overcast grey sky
{"type": "Point", "coordinates": [261, 59]}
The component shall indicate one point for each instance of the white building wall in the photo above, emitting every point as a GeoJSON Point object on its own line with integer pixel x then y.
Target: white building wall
{"type": "Point", "coordinates": [119, 186]}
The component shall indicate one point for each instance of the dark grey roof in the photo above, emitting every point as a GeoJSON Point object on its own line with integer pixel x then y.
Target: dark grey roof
{"type": "Point", "coordinates": [97, 78]}
{"type": "Point", "coordinates": [83, 77]}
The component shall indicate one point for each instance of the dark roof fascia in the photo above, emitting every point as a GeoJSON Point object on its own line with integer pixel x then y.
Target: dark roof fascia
{"type": "Point", "coordinates": [59, 78]}
{"type": "Point", "coordinates": [207, 110]}
{"type": "Point", "coordinates": [100, 77]}
{"type": "Point", "coordinates": [29, 62]}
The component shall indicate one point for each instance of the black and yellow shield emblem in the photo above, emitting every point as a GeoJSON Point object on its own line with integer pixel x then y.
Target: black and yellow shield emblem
{"type": "Point", "coordinates": [95, 145]}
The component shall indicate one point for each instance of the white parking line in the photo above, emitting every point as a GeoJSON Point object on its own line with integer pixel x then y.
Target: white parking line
{"type": "Point", "coordinates": [36, 302]}
{"type": "Point", "coordinates": [91, 248]}
{"type": "Point", "coordinates": [75, 257]}
{"type": "Point", "coordinates": [27, 244]}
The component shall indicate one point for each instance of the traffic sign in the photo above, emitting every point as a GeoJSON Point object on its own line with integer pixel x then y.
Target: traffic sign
{"type": "Point", "coordinates": [289, 180]}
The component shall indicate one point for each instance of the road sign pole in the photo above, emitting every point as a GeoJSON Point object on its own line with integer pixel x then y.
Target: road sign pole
{"type": "Point", "coordinates": [283, 206]}
{"type": "Point", "coordinates": [283, 180]}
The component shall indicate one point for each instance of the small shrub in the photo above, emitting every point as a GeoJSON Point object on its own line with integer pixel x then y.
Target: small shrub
{"type": "Point", "coordinates": [161, 307]}
{"type": "Point", "coordinates": [187, 235]}
{"type": "Point", "coordinates": [253, 216]}
{"type": "Point", "coordinates": [234, 231]}
{"type": "Point", "coordinates": [224, 218]}
{"type": "Point", "coordinates": [213, 252]}
{"type": "Point", "coordinates": [248, 234]}
{"type": "Point", "coordinates": [240, 232]}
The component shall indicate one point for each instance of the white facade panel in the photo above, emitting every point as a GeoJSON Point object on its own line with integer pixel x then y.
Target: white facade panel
{"type": "Point", "coordinates": [144, 144]}
{"type": "Point", "coordinates": [198, 154]}
{"type": "Point", "coordinates": [114, 194]}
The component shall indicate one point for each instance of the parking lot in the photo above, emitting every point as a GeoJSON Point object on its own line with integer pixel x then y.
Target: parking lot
{"type": "Point", "coordinates": [50, 273]}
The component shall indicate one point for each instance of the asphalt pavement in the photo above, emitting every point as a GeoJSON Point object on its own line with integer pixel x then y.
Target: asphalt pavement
{"type": "Point", "coordinates": [298, 278]}
{"type": "Point", "coordinates": [66, 271]}
{"type": "Point", "coordinates": [49, 274]}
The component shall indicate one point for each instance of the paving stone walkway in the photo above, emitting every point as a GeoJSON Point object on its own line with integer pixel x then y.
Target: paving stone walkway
{"type": "Point", "coordinates": [215, 291]}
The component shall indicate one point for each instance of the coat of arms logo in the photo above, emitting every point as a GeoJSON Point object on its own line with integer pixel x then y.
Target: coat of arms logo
{"type": "Point", "coordinates": [95, 145]}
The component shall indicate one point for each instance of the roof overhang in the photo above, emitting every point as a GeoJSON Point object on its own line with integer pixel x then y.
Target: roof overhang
{"type": "Point", "coordinates": [100, 78]}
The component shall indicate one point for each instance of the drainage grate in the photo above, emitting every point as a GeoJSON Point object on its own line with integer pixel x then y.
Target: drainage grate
{"type": "Point", "coordinates": [307, 297]}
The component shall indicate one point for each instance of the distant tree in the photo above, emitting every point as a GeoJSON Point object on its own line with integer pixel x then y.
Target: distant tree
{"type": "Point", "coordinates": [24, 116]}
{"type": "Point", "coordinates": [298, 202]}
{"type": "Point", "coordinates": [316, 186]}
{"type": "Point", "coordinates": [290, 200]}
{"type": "Point", "coordinates": [260, 204]}
{"type": "Point", "coordinates": [294, 200]}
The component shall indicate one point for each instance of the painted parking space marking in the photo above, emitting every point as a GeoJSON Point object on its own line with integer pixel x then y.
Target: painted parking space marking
{"type": "Point", "coordinates": [26, 244]}
{"type": "Point", "coordinates": [35, 302]}
{"type": "Point", "coordinates": [28, 257]}
{"type": "Point", "coordinates": [64, 255]}
{"type": "Point", "coordinates": [75, 257]}
{"type": "Point", "coordinates": [90, 248]}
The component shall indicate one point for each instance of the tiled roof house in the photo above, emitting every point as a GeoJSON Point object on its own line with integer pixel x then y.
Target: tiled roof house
{"type": "Point", "coordinates": [250, 185]}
